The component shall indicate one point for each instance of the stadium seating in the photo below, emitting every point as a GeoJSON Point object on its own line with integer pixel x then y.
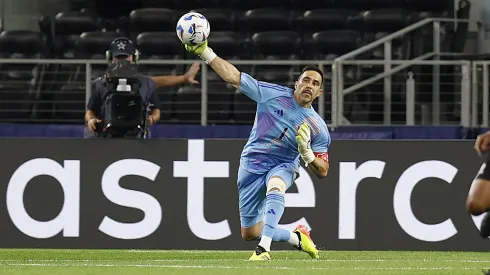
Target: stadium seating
{"type": "Point", "coordinates": [325, 19]}
{"type": "Point", "coordinates": [19, 82]}
{"type": "Point", "coordinates": [160, 45]}
{"type": "Point", "coordinates": [67, 29]}
{"type": "Point", "coordinates": [266, 19]}
{"type": "Point", "coordinates": [152, 20]}
{"type": "Point", "coordinates": [71, 95]}
{"type": "Point", "coordinates": [70, 102]}
{"type": "Point", "coordinates": [228, 44]}
{"type": "Point", "coordinates": [255, 29]}
{"type": "Point", "coordinates": [223, 20]}
{"type": "Point", "coordinates": [310, 5]}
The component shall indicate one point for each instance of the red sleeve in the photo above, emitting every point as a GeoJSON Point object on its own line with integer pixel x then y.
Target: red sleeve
{"type": "Point", "coordinates": [323, 156]}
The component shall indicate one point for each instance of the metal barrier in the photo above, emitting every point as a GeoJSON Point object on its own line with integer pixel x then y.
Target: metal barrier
{"type": "Point", "coordinates": [408, 97]}
{"type": "Point", "coordinates": [37, 91]}
{"type": "Point", "coordinates": [480, 94]}
{"type": "Point", "coordinates": [60, 94]}
{"type": "Point", "coordinates": [60, 86]}
{"type": "Point", "coordinates": [388, 71]}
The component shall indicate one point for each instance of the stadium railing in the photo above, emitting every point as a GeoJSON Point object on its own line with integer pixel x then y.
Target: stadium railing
{"type": "Point", "coordinates": [407, 86]}
{"type": "Point", "coordinates": [480, 94]}
{"type": "Point", "coordinates": [407, 95]}
{"type": "Point", "coordinates": [388, 71]}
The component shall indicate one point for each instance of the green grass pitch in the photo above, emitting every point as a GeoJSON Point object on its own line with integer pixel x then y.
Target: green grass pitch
{"type": "Point", "coordinates": [139, 262]}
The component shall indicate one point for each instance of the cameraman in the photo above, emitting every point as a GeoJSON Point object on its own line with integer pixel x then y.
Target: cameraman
{"type": "Point", "coordinates": [124, 49]}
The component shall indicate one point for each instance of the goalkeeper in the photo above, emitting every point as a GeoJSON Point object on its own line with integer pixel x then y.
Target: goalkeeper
{"type": "Point", "coordinates": [286, 127]}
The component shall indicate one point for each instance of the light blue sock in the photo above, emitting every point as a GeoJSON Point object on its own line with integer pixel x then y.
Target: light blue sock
{"type": "Point", "coordinates": [281, 235]}
{"type": "Point", "coordinates": [274, 208]}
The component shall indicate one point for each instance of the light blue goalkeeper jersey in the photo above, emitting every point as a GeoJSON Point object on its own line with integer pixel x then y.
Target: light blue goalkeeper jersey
{"type": "Point", "coordinates": [272, 140]}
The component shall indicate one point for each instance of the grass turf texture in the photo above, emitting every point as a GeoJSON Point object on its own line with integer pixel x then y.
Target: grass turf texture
{"type": "Point", "coordinates": [136, 262]}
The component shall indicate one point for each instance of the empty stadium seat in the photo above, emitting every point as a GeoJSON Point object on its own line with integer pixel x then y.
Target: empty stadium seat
{"type": "Point", "coordinates": [257, 4]}
{"type": "Point", "coordinates": [79, 4]}
{"type": "Point", "coordinates": [25, 44]}
{"type": "Point", "coordinates": [227, 44]}
{"type": "Point", "coordinates": [16, 101]}
{"type": "Point", "coordinates": [220, 96]}
{"type": "Point", "coordinates": [309, 5]}
{"type": "Point", "coordinates": [112, 10]}
{"type": "Point", "coordinates": [200, 4]}
{"type": "Point", "coordinates": [188, 104]}
{"type": "Point", "coordinates": [160, 45]}
{"type": "Point", "coordinates": [75, 22]}
{"type": "Point", "coordinates": [325, 19]}
{"type": "Point", "coordinates": [433, 5]}
{"type": "Point", "coordinates": [371, 4]}
{"type": "Point", "coordinates": [151, 20]}
{"type": "Point", "coordinates": [67, 29]}
{"type": "Point", "coordinates": [259, 20]}
{"type": "Point", "coordinates": [70, 103]}
{"type": "Point", "coordinates": [18, 82]}
{"type": "Point", "coordinates": [379, 23]}
{"type": "Point", "coordinates": [96, 43]}
{"type": "Point", "coordinates": [399, 47]}
{"type": "Point", "coordinates": [168, 4]}
{"type": "Point", "coordinates": [46, 28]}
{"type": "Point", "coordinates": [335, 42]}
{"type": "Point", "coordinates": [167, 106]}
{"type": "Point", "coordinates": [279, 45]}
{"type": "Point", "coordinates": [219, 19]}
{"type": "Point", "coordinates": [384, 20]}
{"type": "Point", "coordinates": [276, 43]}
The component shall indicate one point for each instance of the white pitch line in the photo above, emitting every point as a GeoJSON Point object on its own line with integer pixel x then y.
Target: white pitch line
{"type": "Point", "coordinates": [243, 267]}
{"type": "Point", "coordinates": [201, 251]}
{"type": "Point", "coordinates": [234, 259]}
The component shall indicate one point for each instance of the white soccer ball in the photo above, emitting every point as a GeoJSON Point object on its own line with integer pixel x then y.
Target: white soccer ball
{"type": "Point", "coordinates": [193, 28]}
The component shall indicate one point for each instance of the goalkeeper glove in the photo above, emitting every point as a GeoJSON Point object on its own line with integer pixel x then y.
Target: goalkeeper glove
{"type": "Point", "coordinates": [303, 138]}
{"type": "Point", "coordinates": [202, 50]}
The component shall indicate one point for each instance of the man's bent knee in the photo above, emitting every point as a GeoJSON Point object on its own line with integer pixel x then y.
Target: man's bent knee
{"type": "Point", "coordinates": [276, 184]}
{"type": "Point", "coordinates": [249, 236]}
{"type": "Point", "coordinates": [475, 206]}
{"type": "Point", "coordinates": [251, 233]}
{"type": "Point", "coordinates": [478, 200]}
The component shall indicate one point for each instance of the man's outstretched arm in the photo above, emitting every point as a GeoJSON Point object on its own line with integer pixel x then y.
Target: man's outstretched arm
{"type": "Point", "coordinates": [172, 80]}
{"type": "Point", "coordinates": [226, 71]}
{"type": "Point", "coordinates": [223, 68]}
{"type": "Point", "coordinates": [256, 90]}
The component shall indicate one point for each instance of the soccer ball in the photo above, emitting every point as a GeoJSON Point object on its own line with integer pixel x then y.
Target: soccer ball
{"type": "Point", "coordinates": [193, 28]}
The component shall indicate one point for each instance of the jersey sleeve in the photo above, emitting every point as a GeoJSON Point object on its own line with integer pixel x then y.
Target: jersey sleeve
{"type": "Point", "coordinates": [260, 91]}
{"type": "Point", "coordinates": [320, 144]}
{"type": "Point", "coordinates": [153, 97]}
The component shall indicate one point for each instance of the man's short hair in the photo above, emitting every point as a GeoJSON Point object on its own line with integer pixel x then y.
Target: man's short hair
{"type": "Point", "coordinates": [312, 68]}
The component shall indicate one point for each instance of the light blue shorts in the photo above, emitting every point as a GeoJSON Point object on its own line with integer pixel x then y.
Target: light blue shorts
{"type": "Point", "coordinates": [252, 189]}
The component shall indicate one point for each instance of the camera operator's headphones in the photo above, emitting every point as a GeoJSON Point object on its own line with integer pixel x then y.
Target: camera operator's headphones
{"type": "Point", "coordinates": [122, 46]}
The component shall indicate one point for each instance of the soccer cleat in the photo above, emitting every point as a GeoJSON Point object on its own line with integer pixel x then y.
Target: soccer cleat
{"type": "Point", "coordinates": [305, 242]}
{"type": "Point", "coordinates": [260, 255]}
